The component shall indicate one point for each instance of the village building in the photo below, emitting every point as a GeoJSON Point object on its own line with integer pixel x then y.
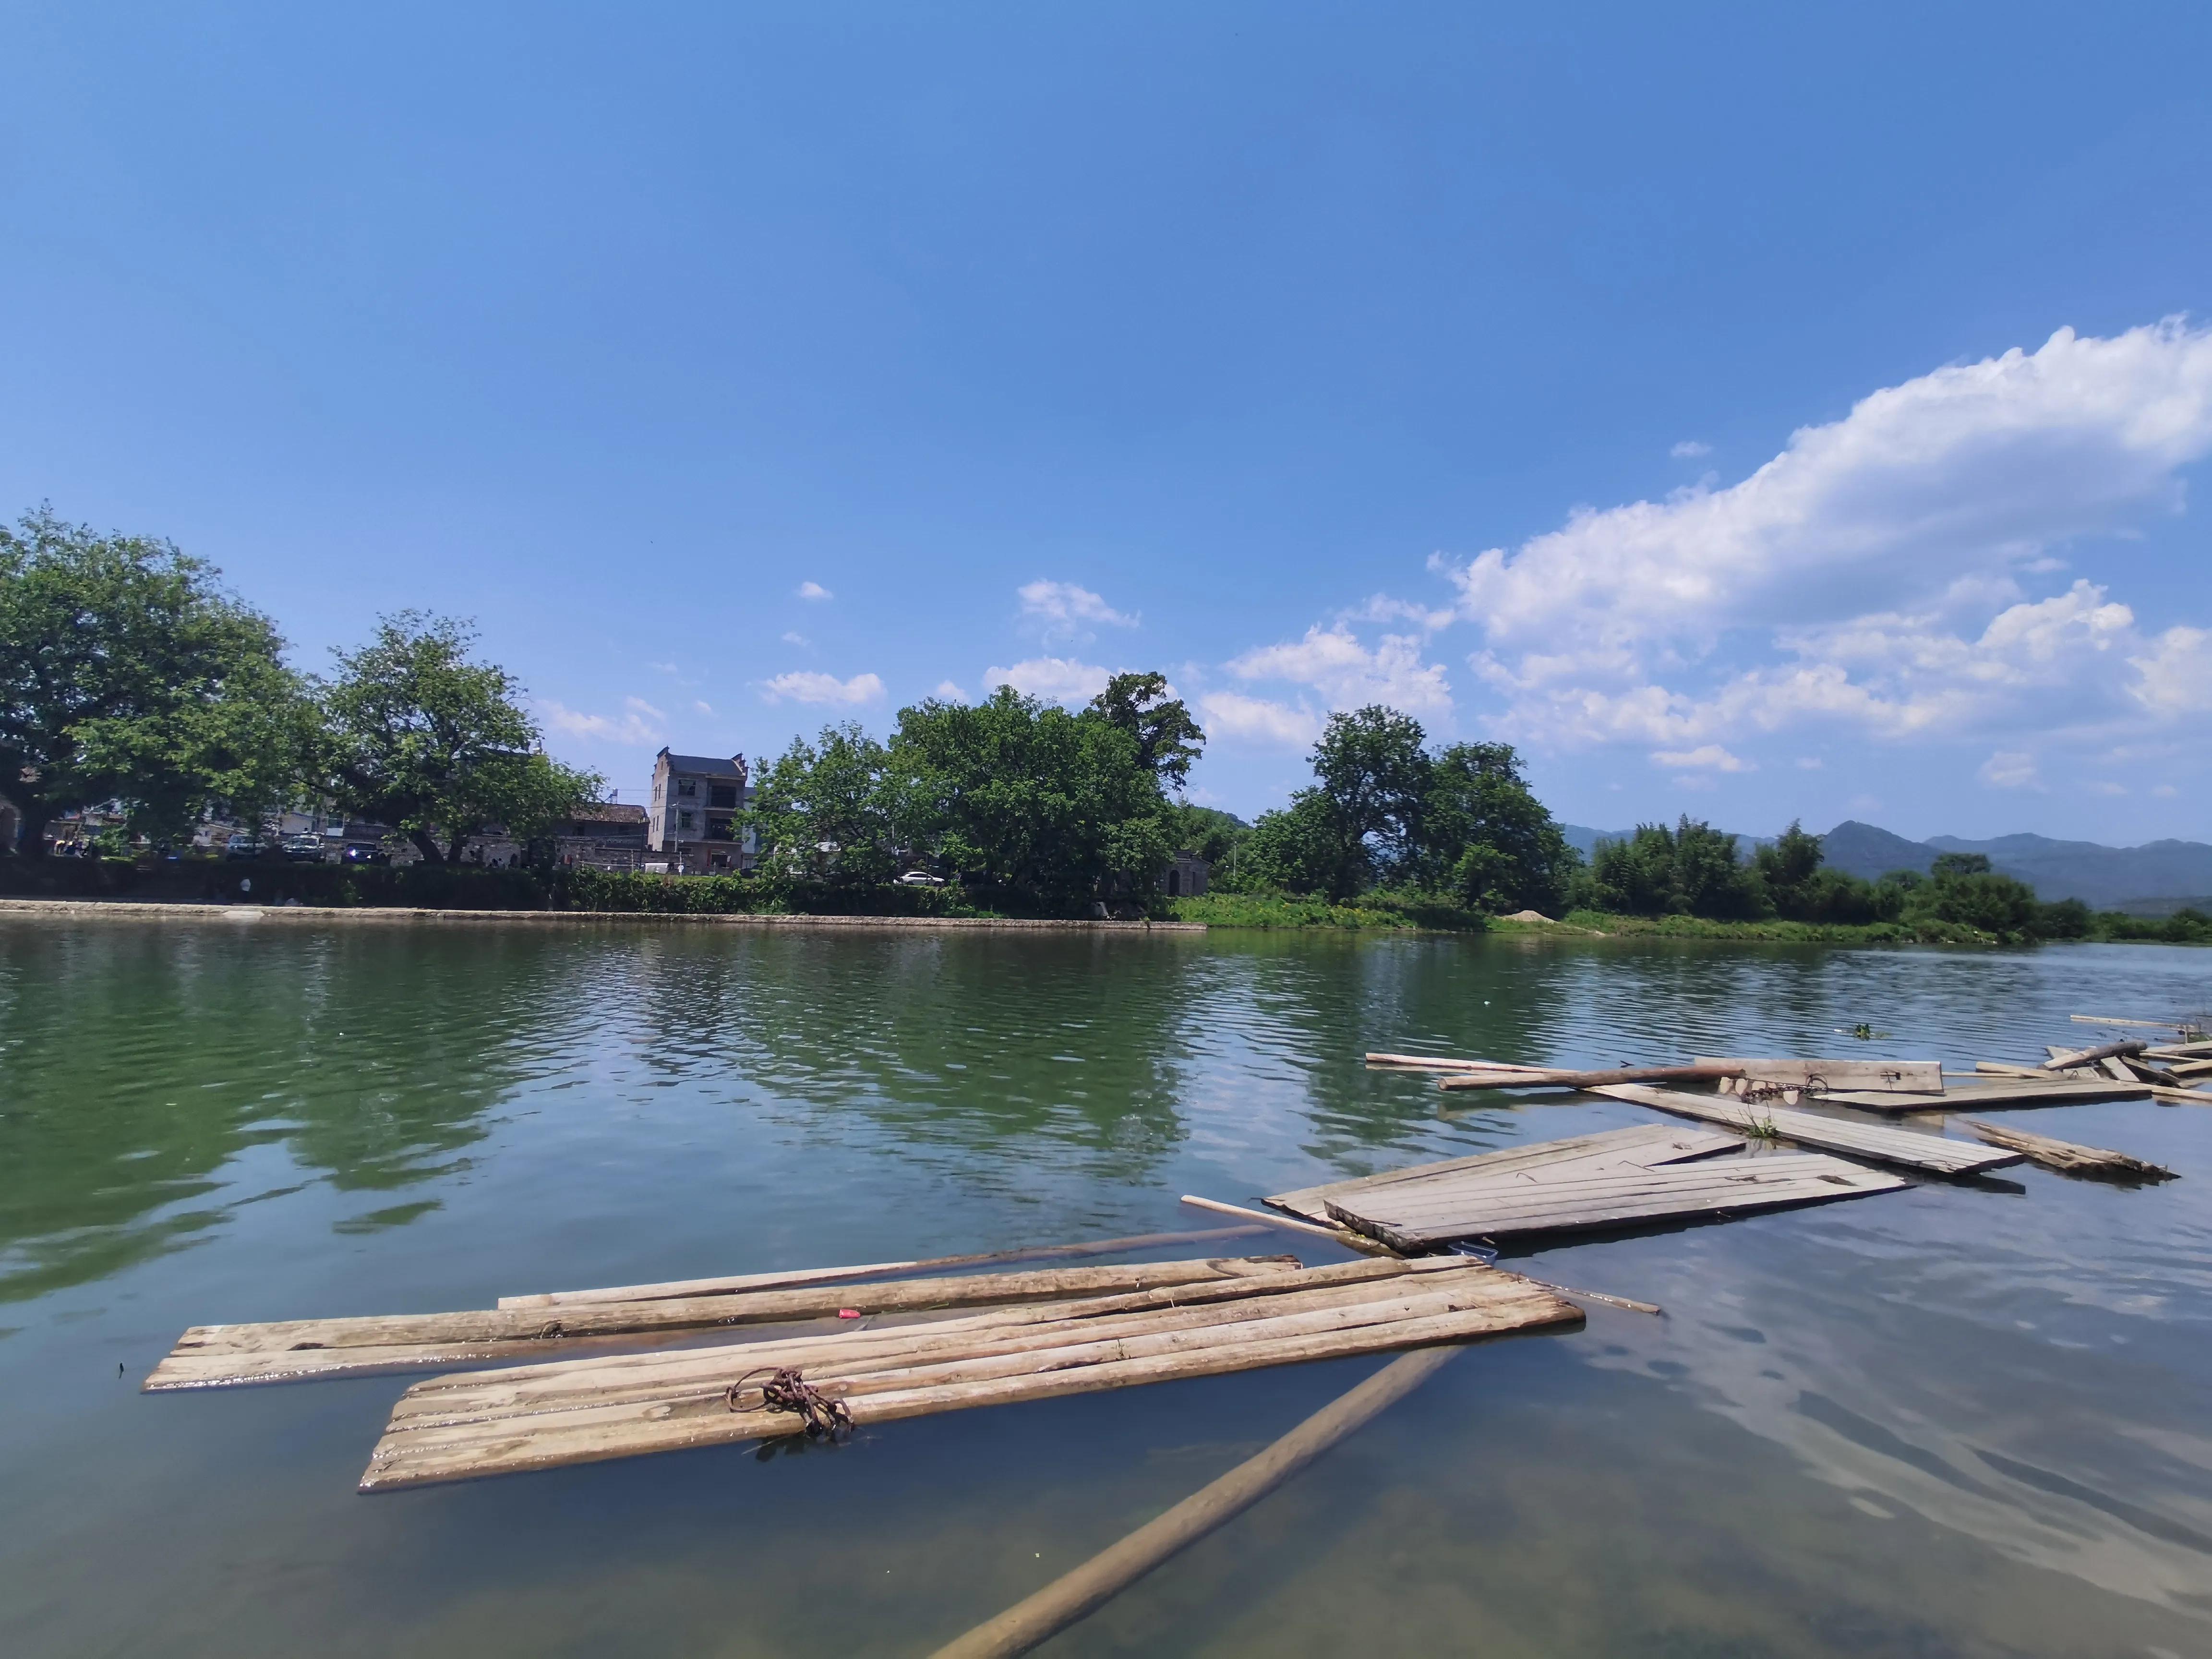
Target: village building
{"type": "Point", "coordinates": [693, 825]}
{"type": "Point", "coordinates": [1187, 877]}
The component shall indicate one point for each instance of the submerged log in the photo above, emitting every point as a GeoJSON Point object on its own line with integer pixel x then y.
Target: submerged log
{"type": "Point", "coordinates": [2067, 1060]}
{"type": "Point", "coordinates": [2065, 1155]}
{"type": "Point", "coordinates": [1076, 1594]}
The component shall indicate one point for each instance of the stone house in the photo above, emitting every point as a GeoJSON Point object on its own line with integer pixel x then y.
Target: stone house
{"type": "Point", "coordinates": [692, 824]}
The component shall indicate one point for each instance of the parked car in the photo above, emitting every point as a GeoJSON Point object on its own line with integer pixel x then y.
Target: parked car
{"type": "Point", "coordinates": [920, 879]}
{"type": "Point", "coordinates": [363, 852]}
{"type": "Point", "coordinates": [304, 848]}
{"type": "Point", "coordinates": [242, 846]}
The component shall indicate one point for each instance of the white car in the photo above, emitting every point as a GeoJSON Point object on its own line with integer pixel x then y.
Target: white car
{"type": "Point", "coordinates": [920, 879]}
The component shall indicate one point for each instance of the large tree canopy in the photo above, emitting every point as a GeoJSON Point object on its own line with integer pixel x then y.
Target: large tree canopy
{"type": "Point", "coordinates": [1020, 795]}
{"type": "Point", "coordinates": [418, 737]}
{"type": "Point", "coordinates": [1168, 740]}
{"type": "Point", "coordinates": [822, 809]}
{"type": "Point", "coordinates": [127, 674]}
{"type": "Point", "coordinates": [1485, 839]}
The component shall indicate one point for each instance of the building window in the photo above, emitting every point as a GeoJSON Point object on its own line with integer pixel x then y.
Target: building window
{"type": "Point", "coordinates": [683, 820]}
{"type": "Point", "coordinates": [687, 787]}
{"type": "Point", "coordinates": [722, 795]}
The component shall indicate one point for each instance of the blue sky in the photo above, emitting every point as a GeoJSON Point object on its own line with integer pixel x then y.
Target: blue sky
{"type": "Point", "coordinates": [1629, 382]}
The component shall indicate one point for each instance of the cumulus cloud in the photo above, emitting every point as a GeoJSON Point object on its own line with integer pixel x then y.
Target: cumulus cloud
{"type": "Point", "coordinates": [1689, 449]}
{"type": "Point", "coordinates": [633, 728]}
{"type": "Point", "coordinates": [814, 590]}
{"type": "Point", "coordinates": [1349, 675]}
{"type": "Point", "coordinates": [1232, 714]}
{"type": "Point", "coordinates": [1707, 756]}
{"type": "Point", "coordinates": [1720, 613]}
{"type": "Point", "coordinates": [701, 707]}
{"type": "Point", "coordinates": [950, 692]}
{"type": "Point", "coordinates": [807, 686]}
{"type": "Point", "coordinates": [1056, 679]}
{"type": "Point", "coordinates": [1062, 610]}
{"type": "Point", "coordinates": [2010, 769]}
{"type": "Point", "coordinates": [792, 636]}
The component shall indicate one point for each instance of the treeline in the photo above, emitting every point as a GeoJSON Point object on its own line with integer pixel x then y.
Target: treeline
{"type": "Point", "coordinates": [1019, 802]}
{"type": "Point", "coordinates": [1694, 870]}
{"type": "Point", "coordinates": [129, 678]}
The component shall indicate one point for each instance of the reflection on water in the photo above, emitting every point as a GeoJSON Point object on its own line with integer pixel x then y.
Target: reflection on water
{"type": "Point", "coordinates": [1969, 1417]}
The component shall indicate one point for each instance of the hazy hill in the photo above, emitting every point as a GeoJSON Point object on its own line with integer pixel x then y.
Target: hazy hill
{"type": "Point", "coordinates": [2155, 878]}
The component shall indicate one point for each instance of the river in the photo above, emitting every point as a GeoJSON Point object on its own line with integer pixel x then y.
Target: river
{"type": "Point", "coordinates": [1966, 1419]}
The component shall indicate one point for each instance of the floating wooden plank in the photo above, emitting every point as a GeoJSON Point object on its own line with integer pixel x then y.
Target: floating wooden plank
{"type": "Point", "coordinates": [1999, 1091]}
{"type": "Point", "coordinates": [2108, 1019]}
{"type": "Point", "coordinates": [441, 1432]}
{"type": "Point", "coordinates": [1413, 1214]}
{"type": "Point", "coordinates": [2066, 1156]}
{"type": "Point", "coordinates": [1443, 1063]}
{"type": "Point", "coordinates": [1640, 1146]}
{"type": "Point", "coordinates": [1913, 1077]}
{"type": "Point", "coordinates": [1520, 1078]}
{"type": "Point", "coordinates": [297, 1349]}
{"type": "Point", "coordinates": [1878, 1142]}
{"type": "Point", "coordinates": [729, 1284]}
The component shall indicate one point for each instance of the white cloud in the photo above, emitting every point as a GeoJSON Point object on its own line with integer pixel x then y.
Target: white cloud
{"type": "Point", "coordinates": [1689, 449]}
{"type": "Point", "coordinates": [662, 667]}
{"type": "Point", "coordinates": [1348, 675]}
{"type": "Point", "coordinates": [1810, 763]}
{"type": "Point", "coordinates": [1711, 756]}
{"type": "Point", "coordinates": [1722, 613]}
{"type": "Point", "coordinates": [2010, 769]}
{"type": "Point", "coordinates": [793, 637]}
{"type": "Point", "coordinates": [814, 590]}
{"type": "Point", "coordinates": [1056, 679]}
{"type": "Point", "coordinates": [951, 693]}
{"type": "Point", "coordinates": [1232, 714]}
{"type": "Point", "coordinates": [631, 728]}
{"type": "Point", "coordinates": [1060, 609]}
{"type": "Point", "coordinates": [699, 708]}
{"type": "Point", "coordinates": [805, 686]}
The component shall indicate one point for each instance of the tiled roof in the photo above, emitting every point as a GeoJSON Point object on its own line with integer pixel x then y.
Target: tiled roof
{"type": "Point", "coordinates": [713, 766]}
{"type": "Point", "coordinates": [610, 812]}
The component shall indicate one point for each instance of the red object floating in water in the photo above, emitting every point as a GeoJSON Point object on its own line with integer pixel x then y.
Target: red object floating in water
{"type": "Point", "coordinates": [848, 1312]}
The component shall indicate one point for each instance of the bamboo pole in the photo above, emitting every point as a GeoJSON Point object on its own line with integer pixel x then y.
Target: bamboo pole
{"type": "Point", "coordinates": [1518, 1079]}
{"type": "Point", "coordinates": [797, 1276]}
{"type": "Point", "coordinates": [1343, 1236]}
{"type": "Point", "coordinates": [1076, 1594]}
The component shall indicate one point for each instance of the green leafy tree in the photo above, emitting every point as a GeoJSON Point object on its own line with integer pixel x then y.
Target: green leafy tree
{"type": "Point", "coordinates": [418, 737]}
{"type": "Point", "coordinates": [823, 809]}
{"type": "Point", "coordinates": [127, 674]}
{"type": "Point", "coordinates": [1961, 889]}
{"type": "Point", "coordinates": [1692, 869]}
{"type": "Point", "coordinates": [1168, 740]}
{"type": "Point", "coordinates": [1485, 839]}
{"type": "Point", "coordinates": [1299, 848]}
{"type": "Point", "coordinates": [1022, 797]}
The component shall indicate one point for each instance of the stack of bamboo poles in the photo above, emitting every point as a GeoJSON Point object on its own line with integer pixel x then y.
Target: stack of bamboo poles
{"type": "Point", "coordinates": [587, 1410]}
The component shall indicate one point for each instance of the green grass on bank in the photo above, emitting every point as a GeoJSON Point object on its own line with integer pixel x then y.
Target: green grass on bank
{"type": "Point", "coordinates": [1372, 911]}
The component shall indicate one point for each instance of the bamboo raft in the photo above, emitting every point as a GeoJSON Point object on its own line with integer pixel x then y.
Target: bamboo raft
{"type": "Point", "coordinates": [1878, 1143]}
{"type": "Point", "coordinates": [581, 1411]}
{"type": "Point", "coordinates": [217, 1356]}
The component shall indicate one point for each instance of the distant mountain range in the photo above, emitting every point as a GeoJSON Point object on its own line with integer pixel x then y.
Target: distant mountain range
{"type": "Point", "coordinates": [2156, 878]}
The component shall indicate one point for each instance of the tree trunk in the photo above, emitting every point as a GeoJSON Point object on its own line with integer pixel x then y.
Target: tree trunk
{"type": "Point", "coordinates": [426, 845]}
{"type": "Point", "coordinates": [31, 828]}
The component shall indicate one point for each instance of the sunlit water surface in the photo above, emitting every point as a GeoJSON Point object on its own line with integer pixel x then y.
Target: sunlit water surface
{"type": "Point", "coordinates": [1967, 1418]}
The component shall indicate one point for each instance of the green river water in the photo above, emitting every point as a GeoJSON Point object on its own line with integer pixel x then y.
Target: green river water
{"type": "Point", "coordinates": [1967, 1418]}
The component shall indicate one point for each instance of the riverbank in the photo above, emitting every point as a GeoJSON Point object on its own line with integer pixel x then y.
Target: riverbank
{"type": "Point", "coordinates": [1373, 912]}
{"type": "Point", "coordinates": [187, 911]}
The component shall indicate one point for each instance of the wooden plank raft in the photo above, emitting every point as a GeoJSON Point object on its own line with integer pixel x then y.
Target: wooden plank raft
{"type": "Point", "coordinates": [1410, 1215]}
{"type": "Point", "coordinates": [2064, 1155]}
{"type": "Point", "coordinates": [1641, 1146]}
{"type": "Point", "coordinates": [1878, 1142]}
{"type": "Point", "coordinates": [214, 1356]}
{"type": "Point", "coordinates": [1912, 1076]}
{"type": "Point", "coordinates": [583, 1410]}
{"type": "Point", "coordinates": [1999, 1091]}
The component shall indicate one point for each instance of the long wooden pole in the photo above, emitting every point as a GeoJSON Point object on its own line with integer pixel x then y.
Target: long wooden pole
{"type": "Point", "coordinates": [2091, 1056]}
{"type": "Point", "coordinates": [1589, 1079]}
{"type": "Point", "coordinates": [1076, 1594]}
